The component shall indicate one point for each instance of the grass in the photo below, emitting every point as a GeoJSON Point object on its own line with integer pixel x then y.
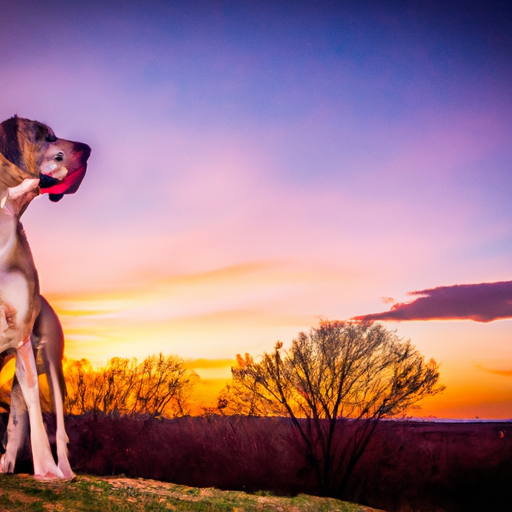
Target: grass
{"type": "Point", "coordinates": [108, 494]}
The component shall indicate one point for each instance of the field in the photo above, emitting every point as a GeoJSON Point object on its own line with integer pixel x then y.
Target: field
{"type": "Point", "coordinates": [95, 494]}
{"type": "Point", "coordinates": [408, 465]}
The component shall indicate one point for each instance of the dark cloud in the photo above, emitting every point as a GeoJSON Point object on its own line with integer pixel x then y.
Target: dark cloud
{"type": "Point", "coordinates": [483, 302]}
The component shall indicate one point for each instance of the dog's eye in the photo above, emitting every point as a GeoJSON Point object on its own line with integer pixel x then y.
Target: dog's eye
{"type": "Point", "coordinates": [59, 157]}
{"type": "Point", "coordinates": [50, 138]}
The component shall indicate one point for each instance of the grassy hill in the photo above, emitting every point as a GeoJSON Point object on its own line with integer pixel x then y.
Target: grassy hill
{"type": "Point", "coordinates": [104, 494]}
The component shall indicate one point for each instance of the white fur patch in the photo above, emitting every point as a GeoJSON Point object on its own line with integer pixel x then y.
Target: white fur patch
{"type": "Point", "coordinates": [14, 291]}
{"type": "Point", "coordinates": [7, 234]}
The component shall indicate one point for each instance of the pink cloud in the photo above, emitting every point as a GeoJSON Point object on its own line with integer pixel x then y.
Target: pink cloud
{"type": "Point", "coordinates": [482, 302]}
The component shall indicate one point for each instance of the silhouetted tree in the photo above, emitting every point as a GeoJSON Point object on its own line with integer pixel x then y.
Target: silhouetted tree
{"type": "Point", "coordinates": [245, 396]}
{"type": "Point", "coordinates": [341, 375]}
{"type": "Point", "coordinates": [158, 386]}
{"type": "Point", "coordinates": [81, 387]}
{"type": "Point", "coordinates": [163, 387]}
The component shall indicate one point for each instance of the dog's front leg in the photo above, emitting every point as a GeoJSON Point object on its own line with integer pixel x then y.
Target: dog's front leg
{"type": "Point", "coordinates": [26, 371]}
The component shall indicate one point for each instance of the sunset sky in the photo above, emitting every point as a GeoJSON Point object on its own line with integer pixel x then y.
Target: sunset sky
{"type": "Point", "coordinates": [258, 165]}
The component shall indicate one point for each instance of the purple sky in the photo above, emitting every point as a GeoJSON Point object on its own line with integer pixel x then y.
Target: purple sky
{"type": "Point", "coordinates": [258, 165]}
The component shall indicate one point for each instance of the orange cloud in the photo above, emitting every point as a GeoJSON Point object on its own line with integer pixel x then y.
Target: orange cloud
{"type": "Point", "coordinates": [207, 314]}
{"type": "Point", "coordinates": [503, 373]}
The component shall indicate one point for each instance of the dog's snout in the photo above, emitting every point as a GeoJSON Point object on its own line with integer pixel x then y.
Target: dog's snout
{"type": "Point", "coordinates": [82, 148]}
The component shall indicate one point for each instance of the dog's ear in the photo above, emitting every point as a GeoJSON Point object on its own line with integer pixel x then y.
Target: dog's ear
{"type": "Point", "coordinates": [9, 143]}
{"type": "Point", "coordinates": [13, 167]}
{"type": "Point", "coordinates": [10, 175]}
{"type": "Point", "coordinates": [39, 132]}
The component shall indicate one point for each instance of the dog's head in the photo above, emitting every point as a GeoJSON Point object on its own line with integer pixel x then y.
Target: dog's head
{"type": "Point", "coordinates": [31, 150]}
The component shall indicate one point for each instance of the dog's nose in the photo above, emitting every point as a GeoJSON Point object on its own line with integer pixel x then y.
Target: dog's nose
{"type": "Point", "coordinates": [46, 181]}
{"type": "Point", "coordinates": [80, 147]}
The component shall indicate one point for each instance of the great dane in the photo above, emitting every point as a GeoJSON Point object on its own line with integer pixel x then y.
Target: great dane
{"type": "Point", "coordinates": [32, 161]}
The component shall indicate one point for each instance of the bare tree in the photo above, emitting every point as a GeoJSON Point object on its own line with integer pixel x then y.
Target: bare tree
{"type": "Point", "coordinates": [245, 396]}
{"type": "Point", "coordinates": [158, 386]}
{"type": "Point", "coordinates": [114, 385]}
{"type": "Point", "coordinates": [163, 387]}
{"type": "Point", "coordinates": [341, 375]}
{"type": "Point", "coordinates": [81, 386]}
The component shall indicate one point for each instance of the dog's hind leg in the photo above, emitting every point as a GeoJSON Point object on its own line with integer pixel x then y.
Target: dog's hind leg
{"type": "Point", "coordinates": [61, 436]}
{"type": "Point", "coordinates": [50, 339]}
{"type": "Point", "coordinates": [17, 429]}
{"type": "Point", "coordinates": [26, 371]}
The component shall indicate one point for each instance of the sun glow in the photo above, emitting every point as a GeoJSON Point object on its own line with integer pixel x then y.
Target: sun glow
{"type": "Point", "coordinates": [256, 169]}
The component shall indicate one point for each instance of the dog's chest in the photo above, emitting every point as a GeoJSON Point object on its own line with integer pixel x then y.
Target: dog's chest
{"type": "Point", "coordinates": [8, 228]}
{"type": "Point", "coordinates": [14, 291]}
{"type": "Point", "coordinates": [16, 273]}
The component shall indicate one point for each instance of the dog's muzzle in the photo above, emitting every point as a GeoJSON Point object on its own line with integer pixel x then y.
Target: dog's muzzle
{"type": "Point", "coordinates": [69, 185]}
{"type": "Point", "coordinates": [56, 189]}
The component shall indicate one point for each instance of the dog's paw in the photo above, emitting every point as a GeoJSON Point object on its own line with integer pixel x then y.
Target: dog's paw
{"type": "Point", "coordinates": [49, 473]}
{"type": "Point", "coordinates": [66, 469]}
{"type": "Point", "coordinates": [6, 464]}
